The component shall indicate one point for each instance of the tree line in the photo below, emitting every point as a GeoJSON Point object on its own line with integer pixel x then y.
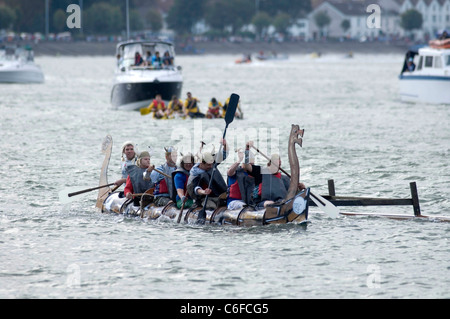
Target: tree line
{"type": "Point", "coordinates": [223, 17]}
{"type": "Point", "coordinates": [108, 17]}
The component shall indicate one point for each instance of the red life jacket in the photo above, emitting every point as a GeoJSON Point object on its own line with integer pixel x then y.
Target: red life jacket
{"type": "Point", "coordinates": [163, 189]}
{"type": "Point", "coordinates": [155, 105]}
{"type": "Point", "coordinates": [235, 192]}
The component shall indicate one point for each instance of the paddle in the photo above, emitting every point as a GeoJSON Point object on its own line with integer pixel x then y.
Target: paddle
{"type": "Point", "coordinates": [65, 195]}
{"type": "Point", "coordinates": [229, 117]}
{"type": "Point", "coordinates": [181, 210]}
{"type": "Point", "coordinates": [325, 205]}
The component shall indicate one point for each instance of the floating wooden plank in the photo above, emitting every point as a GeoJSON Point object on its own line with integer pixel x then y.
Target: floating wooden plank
{"type": "Point", "coordinates": [370, 201]}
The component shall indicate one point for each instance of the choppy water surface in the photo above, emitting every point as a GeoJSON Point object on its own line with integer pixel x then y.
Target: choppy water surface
{"type": "Point", "coordinates": [357, 133]}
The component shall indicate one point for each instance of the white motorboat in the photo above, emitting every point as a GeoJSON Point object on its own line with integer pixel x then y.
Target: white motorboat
{"type": "Point", "coordinates": [17, 66]}
{"type": "Point", "coordinates": [136, 86]}
{"type": "Point", "coordinates": [429, 82]}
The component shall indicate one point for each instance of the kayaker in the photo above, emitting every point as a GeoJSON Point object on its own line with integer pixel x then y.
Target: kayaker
{"type": "Point", "coordinates": [191, 107]}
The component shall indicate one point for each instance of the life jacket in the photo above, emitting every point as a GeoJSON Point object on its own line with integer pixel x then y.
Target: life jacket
{"type": "Point", "coordinates": [175, 107]}
{"type": "Point", "coordinates": [192, 107]}
{"type": "Point", "coordinates": [158, 106]}
{"type": "Point", "coordinates": [243, 187]}
{"type": "Point", "coordinates": [214, 109]}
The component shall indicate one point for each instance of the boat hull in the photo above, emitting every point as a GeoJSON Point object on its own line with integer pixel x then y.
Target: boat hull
{"type": "Point", "coordinates": [131, 96]}
{"type": "Point", "coordinates": [21, 75]}
{"type": "Point", "coordinates": [425, 89]}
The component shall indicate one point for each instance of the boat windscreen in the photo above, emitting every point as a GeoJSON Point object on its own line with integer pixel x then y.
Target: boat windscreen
{"type": "Point", "coordinates": [128, 52]}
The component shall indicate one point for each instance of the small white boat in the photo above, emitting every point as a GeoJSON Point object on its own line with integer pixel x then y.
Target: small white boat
{"type": "Point", "coordinates": [136, 86]}
{"type": "Point", "coordinates": [429, 81]}
{"type": "Point", "coordinates": [17, 66]}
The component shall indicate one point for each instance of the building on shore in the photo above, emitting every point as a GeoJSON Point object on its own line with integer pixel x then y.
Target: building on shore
{"type": "Point", "coordinates": [355, 18]}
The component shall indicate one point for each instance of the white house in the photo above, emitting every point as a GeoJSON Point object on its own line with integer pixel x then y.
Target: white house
{"type": "Point", "coordinates": [361, 17]}
{"type": "Point", "coordinates": [435, 14]}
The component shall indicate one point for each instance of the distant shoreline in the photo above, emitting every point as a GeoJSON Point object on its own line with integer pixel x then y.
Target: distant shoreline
{"type": "Point", "coordinates": [109, 48]}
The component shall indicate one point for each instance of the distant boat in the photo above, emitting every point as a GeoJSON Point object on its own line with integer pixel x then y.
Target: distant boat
{"type": "Point", "coordinates": [17, 66]}
{"type": "Point", "coordinates": [273, 56]}
{"type": "Point", "coordinates": [429, 82]}
{"type": "Point", "coordinates": [136, 86]}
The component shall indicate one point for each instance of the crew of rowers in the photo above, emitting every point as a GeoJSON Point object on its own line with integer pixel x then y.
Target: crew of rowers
{"type": "Point", "coordinates": [189, 182]}
{"type": "Point", "coordinates": [190, 108]}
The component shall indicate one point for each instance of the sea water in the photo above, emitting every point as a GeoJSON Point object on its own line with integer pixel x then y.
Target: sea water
{"type": "Point", "coordinates": [357, 132]}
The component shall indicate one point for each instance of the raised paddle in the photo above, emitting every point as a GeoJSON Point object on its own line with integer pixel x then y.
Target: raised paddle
{"type": "Point", "coordinates": [325, 205]}
{"type": "Point", "coordinates": [229, 117]}
{"type": "Point", "coordinates": [66, 195]}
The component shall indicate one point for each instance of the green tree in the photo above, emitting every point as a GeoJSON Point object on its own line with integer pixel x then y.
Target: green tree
{"type": "Point", "coordinates": [345, 25]}
{"type": "Point", "coordinates": [282, 22]}
{"type": "Point", "coordinates": [241, 13]}
{"type": "Point", "coordinates": [294, 8]}
{"type": "Point", "coordinates": [184, 14]}
{"type": "Point", "coordinates": [7, 17]}
{"type": "Point", "coordinates": [30, 15]}
{"type": "Point", "coordinates": [261, 21]}
{"type": "Point", "coordinates": [154, 20]}
{"type": "Point", "coordinates": [217, 13]}
{"type": "Point", "coordinates": [322, 20]}
{"type": "Point", "coordinates": [411, 19]}
{"type": "Point", "coordinates": [136, 22]}
{"type": "Point", "coordinates": [103, 18]}
{"type": "Point", "coordinates": [59, 20]}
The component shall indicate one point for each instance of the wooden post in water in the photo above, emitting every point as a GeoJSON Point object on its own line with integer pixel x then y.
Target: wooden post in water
{"type": "Point", "coordinates": [415, 198]}
{"type": "Point", "coordinates": [331, 189]}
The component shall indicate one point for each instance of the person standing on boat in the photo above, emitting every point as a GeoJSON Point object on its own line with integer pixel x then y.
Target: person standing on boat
{"type": "Point", "coordinates": [129, 158]}
{"type": "Point", "coordinates": [240, 183]}
{"type": "Point", "coordinates": [138, 180]}
{"type": "Point", "coordinates": [163, 182]}
{"type": "Point", "coordinates": [199, 178]}
{"type": "Point", "coordinates": [191, 107]}
{"type": "Point", "coordinates": [180, 178]}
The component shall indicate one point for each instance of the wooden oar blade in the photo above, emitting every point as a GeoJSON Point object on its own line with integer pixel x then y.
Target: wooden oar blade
{"type": "Point", "coordinates": [231, 109]}
{"type": "Point", "coordinates": [326, 206]}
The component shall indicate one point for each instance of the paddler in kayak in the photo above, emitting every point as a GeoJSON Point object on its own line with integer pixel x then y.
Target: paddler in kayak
{"type": "Point", "coordinates": [192, 108]}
